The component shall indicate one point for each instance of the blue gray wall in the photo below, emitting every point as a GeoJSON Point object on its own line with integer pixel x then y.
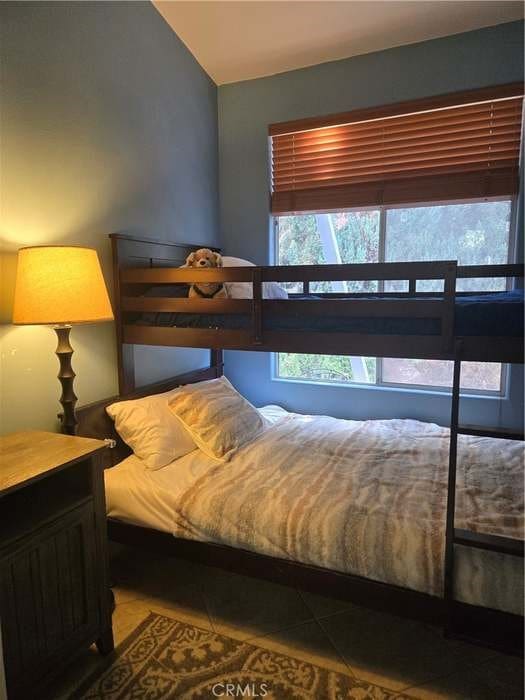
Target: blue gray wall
{"type": "Point", "coordinates": [477, 59]}
{"type": "Point", "coordinates": [108, 124]}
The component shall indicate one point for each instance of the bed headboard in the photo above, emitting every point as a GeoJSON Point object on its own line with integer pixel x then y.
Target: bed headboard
{"type": "Point", "coordinates": [137, 251]}
{"type": "Point", "coordinates": [130, 251]}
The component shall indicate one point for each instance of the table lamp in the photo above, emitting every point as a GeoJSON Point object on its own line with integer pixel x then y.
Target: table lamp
{"type": "Point", "coordinates": [61, 285]}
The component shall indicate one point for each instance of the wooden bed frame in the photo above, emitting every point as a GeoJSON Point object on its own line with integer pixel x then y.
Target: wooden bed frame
{"type": "Point", "coordinates": [492, 627]}
{"type": "Point", "coordinates": [496, 628]}
{"type": "Point", "coordinates": [139, 265]}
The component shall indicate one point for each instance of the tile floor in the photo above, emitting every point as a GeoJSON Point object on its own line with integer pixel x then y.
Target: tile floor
{"type": "Point", "coordinates": [407, 657]}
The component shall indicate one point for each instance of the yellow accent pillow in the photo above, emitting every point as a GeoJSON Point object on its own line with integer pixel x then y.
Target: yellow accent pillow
{"type": "Point", "coordinates": [217, 417]}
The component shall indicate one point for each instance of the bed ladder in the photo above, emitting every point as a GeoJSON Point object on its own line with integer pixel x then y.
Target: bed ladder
{"type": "Point", "coordinates": [456, 612]}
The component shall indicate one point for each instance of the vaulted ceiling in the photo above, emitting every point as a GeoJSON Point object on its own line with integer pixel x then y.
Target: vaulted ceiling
{"type": "Point", "coordinates": [242, 40]}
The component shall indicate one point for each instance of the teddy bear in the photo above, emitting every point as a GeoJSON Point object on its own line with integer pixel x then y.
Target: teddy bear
{"type": "Point", "coordinates": [203, 258]}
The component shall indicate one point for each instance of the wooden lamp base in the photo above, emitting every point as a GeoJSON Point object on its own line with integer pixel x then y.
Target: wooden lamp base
{"type": "Point", "coordinates": [66, 377]}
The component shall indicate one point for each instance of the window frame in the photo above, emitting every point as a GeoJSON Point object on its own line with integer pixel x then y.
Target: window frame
{"type": "Point", "coordinates": [380, 383]}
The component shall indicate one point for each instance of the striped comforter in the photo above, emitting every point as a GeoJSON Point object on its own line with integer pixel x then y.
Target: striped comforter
{"type": "Point", "coordinates": [367, 498]}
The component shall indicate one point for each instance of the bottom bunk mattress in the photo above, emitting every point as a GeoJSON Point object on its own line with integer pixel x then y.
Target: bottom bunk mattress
{"type": "Point", "coordinates": [361, 497]}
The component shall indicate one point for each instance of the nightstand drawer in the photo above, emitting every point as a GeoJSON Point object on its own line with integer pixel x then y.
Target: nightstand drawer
{"type": "Point", "coordinates": [29, 509]}
{"type": "Point", "coordinates": [48, 595]}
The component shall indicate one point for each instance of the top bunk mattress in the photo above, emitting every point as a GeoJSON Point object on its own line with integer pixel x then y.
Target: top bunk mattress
{"type": "Point", "coordinates": [497, 314]}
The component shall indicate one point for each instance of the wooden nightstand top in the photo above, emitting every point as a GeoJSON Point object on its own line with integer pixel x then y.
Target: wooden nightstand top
{"type": "Point", "coordinates": [29, 455]}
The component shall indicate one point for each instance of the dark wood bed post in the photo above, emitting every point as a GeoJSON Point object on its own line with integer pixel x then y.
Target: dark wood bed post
{"type": "Point", "coordinates": [125, 353]}
{"type": "Point", "coordinates": [217, 362]}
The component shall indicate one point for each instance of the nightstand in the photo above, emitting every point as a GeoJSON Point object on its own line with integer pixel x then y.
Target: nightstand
{"type": "Point", "coordinates": [54, 593]}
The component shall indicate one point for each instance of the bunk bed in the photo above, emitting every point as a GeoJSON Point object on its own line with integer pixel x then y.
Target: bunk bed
{"type": "Point", "coordinates": [152, 308]}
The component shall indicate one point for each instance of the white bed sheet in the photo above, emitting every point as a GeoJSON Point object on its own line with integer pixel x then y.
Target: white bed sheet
{"type": "Point", "coordinates": [144, 497]}
{"type": "Point", "coordinates": [141, 496]}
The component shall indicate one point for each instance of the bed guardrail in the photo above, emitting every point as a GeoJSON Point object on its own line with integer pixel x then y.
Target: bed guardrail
{"type": "Point", "coordinates": [135, 281]}
{"type": "Point", "coordinates": [512, 271]}
{"type": "Point", "coordinates": [143, 268]}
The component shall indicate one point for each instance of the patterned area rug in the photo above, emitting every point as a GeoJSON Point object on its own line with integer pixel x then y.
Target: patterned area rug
{"type": "Point", "coordinates": [164, 658]}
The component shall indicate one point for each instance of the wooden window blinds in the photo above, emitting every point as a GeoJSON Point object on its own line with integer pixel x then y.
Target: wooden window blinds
{"type": "Point", "coordinates": [459, 146]}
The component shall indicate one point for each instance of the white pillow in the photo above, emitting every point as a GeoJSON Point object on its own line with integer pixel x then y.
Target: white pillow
{"type": "Point", "coordinates": [244, 290]}
{"type": "Point", "coordinates": [151, 430]}
{"type": "Point", "coordinates": [219, 419]}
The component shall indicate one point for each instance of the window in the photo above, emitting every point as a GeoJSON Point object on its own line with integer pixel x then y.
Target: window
{"type": "Point", "coordinates": [474, 233]}
{"type": "Point", "coordinates": [364, 166]}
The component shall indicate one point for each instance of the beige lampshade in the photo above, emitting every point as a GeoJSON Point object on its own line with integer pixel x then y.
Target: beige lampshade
{"type": "Point", "coordinates": [60, 284]}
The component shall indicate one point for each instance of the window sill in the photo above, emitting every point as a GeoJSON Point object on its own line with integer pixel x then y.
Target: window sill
{"type": "Point", "coordinates": [408, 390]}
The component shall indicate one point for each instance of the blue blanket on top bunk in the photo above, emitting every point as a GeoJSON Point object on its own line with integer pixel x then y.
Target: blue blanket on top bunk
{"type": "Point", "coordinates": [494, 314]}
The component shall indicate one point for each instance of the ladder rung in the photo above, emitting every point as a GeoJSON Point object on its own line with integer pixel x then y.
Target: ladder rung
{"type": "Point", "coordinates": [492, 543]}
{"type": "Point", "coordinates": [481, 431]}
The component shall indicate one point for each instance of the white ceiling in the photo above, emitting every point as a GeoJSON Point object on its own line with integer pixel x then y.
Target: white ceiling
{"type": "Point", "coordinates": [249, 39]}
